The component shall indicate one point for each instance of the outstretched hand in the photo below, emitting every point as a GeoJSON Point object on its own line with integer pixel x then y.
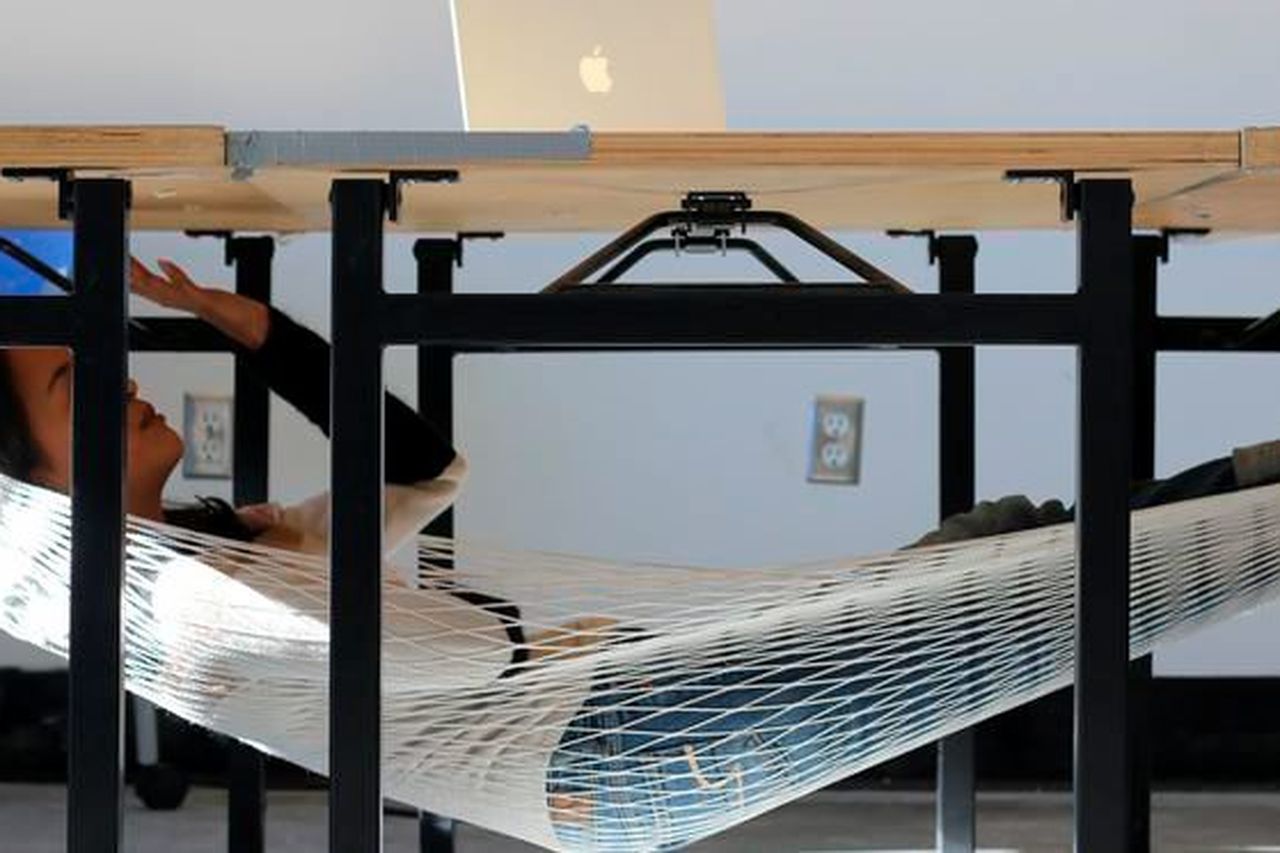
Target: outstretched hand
{"type": "Point", "coordinates": [173, 289]}
{"type": "Point", "coordinates": [242, 319]}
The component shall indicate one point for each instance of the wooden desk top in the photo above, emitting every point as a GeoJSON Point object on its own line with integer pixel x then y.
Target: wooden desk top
{"type": "Point", "coordinates": [187, 177]}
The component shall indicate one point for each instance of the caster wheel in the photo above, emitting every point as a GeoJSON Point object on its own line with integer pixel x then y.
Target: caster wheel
{"type": "Point", "coordinates": [160, 787]}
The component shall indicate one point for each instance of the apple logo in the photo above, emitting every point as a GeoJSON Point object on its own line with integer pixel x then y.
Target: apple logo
{"type": "Point", "coordinates": [594, 71]}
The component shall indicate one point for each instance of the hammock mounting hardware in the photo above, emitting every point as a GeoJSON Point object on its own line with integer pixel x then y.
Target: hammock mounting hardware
{"type": "Point", "coordinates": [727, 203]}
{"type": "Point", "coordinates": [706, 234]}
{"type": "Point", "coordinates": [705, 222]}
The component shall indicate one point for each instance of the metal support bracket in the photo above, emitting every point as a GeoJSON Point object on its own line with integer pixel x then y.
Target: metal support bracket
{"type": "Point", "coordinates": [64, 177]}
{"type": "Point", "coordinates": [228, 255]}
{"type": "Point", "coordinates": [250, 151]}
{"type": "Point", "coordinates": [1068, 196]}
{"type": "Point", "coordinates": [927, 233]}
{"type": "Point", "coordinates": [456, 244]}
{"type": "Point", "coordinates": [705, 221]}
{"type": "Point", "coordinates": [397, 178]}
{"type": "Point", "coordinates": [463, 236]}
{"type": "Point", "coordinates": [1168, 235]}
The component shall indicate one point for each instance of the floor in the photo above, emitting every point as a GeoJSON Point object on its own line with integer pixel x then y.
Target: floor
{"type": "Point", "coordinates": [32, 818]}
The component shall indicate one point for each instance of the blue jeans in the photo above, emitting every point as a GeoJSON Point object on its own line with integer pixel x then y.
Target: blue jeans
{"type": "Point", "coordinates": [653, 763]}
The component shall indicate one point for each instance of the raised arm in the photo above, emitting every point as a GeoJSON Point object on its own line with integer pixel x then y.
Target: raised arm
{"type": "Point", "coordinates": [294, 362]}
{"type": "Point", "coordinates": [423, 474]}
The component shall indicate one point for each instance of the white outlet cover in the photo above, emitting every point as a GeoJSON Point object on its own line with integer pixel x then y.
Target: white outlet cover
{"type": "Point", "coordinates": [835, 443]}
{"type": "Point", "coordinates": [207, 433]}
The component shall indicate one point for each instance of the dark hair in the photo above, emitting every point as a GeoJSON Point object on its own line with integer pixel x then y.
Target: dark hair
{"type": "Point", "coordinates": [17, 448]}
{"type": "Point", "coordinates": [213, 516]}
{"type": "Point", "coordinates": [18, 457]}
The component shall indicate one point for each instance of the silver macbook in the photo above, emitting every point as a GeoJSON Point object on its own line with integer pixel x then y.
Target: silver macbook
{"type": "Point", "coordinates": [606, 64]}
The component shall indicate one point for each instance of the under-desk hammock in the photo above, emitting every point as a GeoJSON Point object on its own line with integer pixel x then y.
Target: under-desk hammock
{"type": "Point", "coordinates": [689, 701]}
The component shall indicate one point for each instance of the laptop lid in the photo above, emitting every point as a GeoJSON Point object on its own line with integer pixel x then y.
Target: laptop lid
{"type": "Point", "coordinates": [607, 64]}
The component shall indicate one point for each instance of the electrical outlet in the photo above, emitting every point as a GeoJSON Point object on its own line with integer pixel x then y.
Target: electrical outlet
{"type": "Point", "coordinates": [207, 431]}
{"type": "Point", "coordinates": [835, 445]}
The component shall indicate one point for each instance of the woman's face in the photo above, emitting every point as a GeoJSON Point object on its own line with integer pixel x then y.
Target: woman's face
{"type": "Point", "coordinates": [41, 379]}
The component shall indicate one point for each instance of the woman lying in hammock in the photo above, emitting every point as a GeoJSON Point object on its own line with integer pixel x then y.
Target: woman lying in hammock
{"type": "Point", "coordinates": [422, 471]}
{"type": "Point", "coordinates": [637, 760]}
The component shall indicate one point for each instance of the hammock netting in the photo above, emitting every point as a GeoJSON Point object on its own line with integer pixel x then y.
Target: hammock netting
{"type": "Point", "coordinates": [657, 704]}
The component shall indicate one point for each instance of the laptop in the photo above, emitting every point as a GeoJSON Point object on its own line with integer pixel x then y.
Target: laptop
{"type": "Point", "coordinates": [624, 65]}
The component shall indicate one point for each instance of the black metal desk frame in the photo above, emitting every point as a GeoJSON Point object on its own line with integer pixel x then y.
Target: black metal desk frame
{"type": "Point", "coordinates": [1108, 320]}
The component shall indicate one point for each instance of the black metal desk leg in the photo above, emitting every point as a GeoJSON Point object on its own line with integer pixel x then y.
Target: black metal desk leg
{"type": "Point", "coordinates": [956, 812]}
{"type": "Point", "coordinates": [355, 598]}
{"type": "Point", "coordinates": [1148, 251]}
{"type": "Point", "coordinates": [97, 515]}
{"type": "Point", "coordinates": [436, 258]}
{"type": "Point", "coordinates": [246, 779]}
{"type": "Point", "coordinates": [435, 833]}
{"type": "Point", "coordinates": [1105, 377]}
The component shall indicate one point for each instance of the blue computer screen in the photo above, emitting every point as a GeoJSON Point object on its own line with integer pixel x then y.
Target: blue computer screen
{"type": "Point", "coordinates": [52, 247]}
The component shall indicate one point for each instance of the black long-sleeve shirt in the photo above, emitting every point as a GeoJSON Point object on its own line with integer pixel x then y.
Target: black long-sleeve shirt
{"type": "Point", "coordinates": [293, 361]}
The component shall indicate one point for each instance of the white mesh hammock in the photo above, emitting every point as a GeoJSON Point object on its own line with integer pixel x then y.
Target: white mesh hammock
{"type": "Point", "coordinates": [684, 702]}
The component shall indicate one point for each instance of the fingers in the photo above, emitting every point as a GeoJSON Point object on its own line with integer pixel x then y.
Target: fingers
{"type": "Point", "coordinates": [173, 289]}
{"type": "Point", "coordinates": [176, 274]}
{"type": "Point", "coordinates": [260, 517]}
{"type": "Point", "coordinates": [144, 282]}
{"type": "Point", "coordinates": [139, 275]}
{"type": "Point", "coordinates": [173, 274]}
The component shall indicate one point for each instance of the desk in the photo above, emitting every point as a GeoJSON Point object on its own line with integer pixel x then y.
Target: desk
{"type": "Point", "coordinates": [184, 177]}
{"type": "Point", "coordinates": [205, 178]}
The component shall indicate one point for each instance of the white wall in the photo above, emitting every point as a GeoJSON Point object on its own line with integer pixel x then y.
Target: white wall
{"type": "Point", "coordinates": [700, 458]}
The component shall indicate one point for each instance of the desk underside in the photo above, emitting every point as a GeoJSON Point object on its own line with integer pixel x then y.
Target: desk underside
{"type": "Point", "coordinates": [1223, 180]}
